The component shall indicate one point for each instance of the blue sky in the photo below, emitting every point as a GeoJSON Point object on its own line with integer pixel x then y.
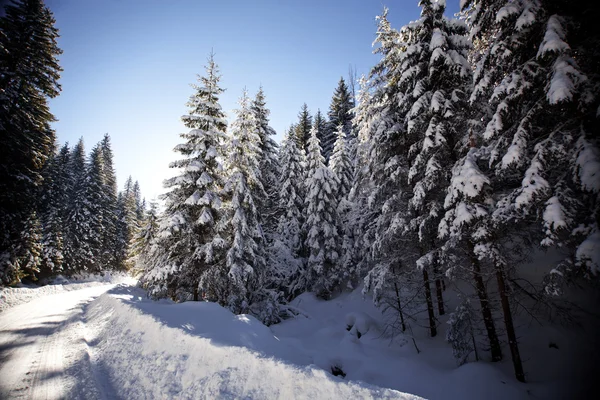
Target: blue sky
{"type": "Point", "coordinates": [128, 65]}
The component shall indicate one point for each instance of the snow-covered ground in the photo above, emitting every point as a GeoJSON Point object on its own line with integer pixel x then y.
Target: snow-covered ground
{"type": "Point", "coordinates": [111, 342]}
{"type": "Point", "coordinates": [13, 296]}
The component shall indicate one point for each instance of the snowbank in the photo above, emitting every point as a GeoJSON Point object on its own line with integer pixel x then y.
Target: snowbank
{"type": "Point", "coordinates": [10, 297]}
{"type": "Point", "coordinates": [200, 350]}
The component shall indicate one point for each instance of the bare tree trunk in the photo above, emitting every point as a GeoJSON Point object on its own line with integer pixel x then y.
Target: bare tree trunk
{"type": "Point", "coordinates": [510, 328]}
{"type": "Point", "coordinates": [428, 299]}
{"type": "Point", "coordinates": [403, 325]}
{"type": "Point", "coordinates": [440, 297]}
{"type": "Point", "coordinates": [486, 312]}
{"type": "Point", "coordinates": [196, 293]}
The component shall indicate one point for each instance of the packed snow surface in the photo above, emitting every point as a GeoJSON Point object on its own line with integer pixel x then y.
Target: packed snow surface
{"type": "Point", "coordinates": [111, 342]}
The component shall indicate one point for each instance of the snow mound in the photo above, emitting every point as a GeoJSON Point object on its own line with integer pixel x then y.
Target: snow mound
{"type": "Point", "coordinates": [156, 350]}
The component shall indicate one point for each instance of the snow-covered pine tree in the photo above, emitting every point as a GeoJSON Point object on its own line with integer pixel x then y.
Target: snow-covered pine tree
{"type": "Point", "coordinates": [341, 165]}
{"type": "Point", "coordinates": [322, 225]}
{"type": "Point", "coordinates": [460, 333]}
{"type": "Point", "coordinates": [434, 82]}
{"type": "Point", "coordinates": [340, 113]}
{"type": "Point", "coordinates": [390, 273]}
{"type": "Point", "coordinates": [355, 242]}
{"type": "Point", "coordinates": [190, 242]}
{"type": "Point", "coordinates": [78, 252]}
{"type": "Point", "coordinates": [97, 197]}
{"type": "Point", "coordinates": [144, 239]}
{"type": "Point", "coordinates": [303, 127]}
{"type": "Point", "coordinates": [537, 108]}
{"type": "Point", "coordinates": [246, 257]}
{"type": "Point", "coordinates": [110, 221]}
{"type": "Point", "coordinates": [29, 74]}
{"type": "Point", "coordinates": [288, 246]}
{"type": "Point", "coordinates": [321, 123]}
{"type": "Point", "coordinates": [51, 210]}
{"type": "Point", "coordinates": [269, 164]}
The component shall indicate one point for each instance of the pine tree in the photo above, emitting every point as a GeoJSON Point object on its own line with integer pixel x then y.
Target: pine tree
{"type": "Point", "coordinates": [246, 257]}
{"type": "Point", "coordinates": [51, 210]}
{"type": "Point", "coordinates": [341, 165]}
{"type": "Point", "coordinates": [110, 221]}
{"type": "Point", "coordinates": [321, 123]}
{"type": "Point", "coordinates": [535, 109]}
{"type": "Point", "coordinates": [78, 252]}
{"type": "Point", "coordinates": [460, 333]}
{"type": "Point", "coordinates": [289, 239]}
{"type": "Point", "coordinates": [141, 247]}
{"type": "Point", "coordinates": [29, 74]}
{"type": "Point", "coordinates": [302, 129]}
{"type": "Point", "coordinates": [322, 225]}
{"type": "Point", "coordinates": [269, 164]}
{"type": "Point", "coordinates": [340, 113]}
{"type": "Point", "coordinates": [190, 242]}
{"type": "Point", "coordinates": [95, 196]}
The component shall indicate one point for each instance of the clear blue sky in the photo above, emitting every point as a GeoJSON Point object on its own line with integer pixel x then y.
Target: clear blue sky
{"type": "Point", "coordinates": [128, 65]}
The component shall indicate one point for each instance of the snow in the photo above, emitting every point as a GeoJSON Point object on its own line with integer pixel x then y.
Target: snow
{"type": "Point", "coordinates": [110, 341]}
{"type": "Point", "coordinates": [588, 163]}
{"type": "Point", "coordinates": [201, 350]}
{"type": "Point", "coordinates": [553, 38]}
{"type": "Point", "coordinates": [588, 252]}
{"type": "Point", "coordinates": [13, 296]}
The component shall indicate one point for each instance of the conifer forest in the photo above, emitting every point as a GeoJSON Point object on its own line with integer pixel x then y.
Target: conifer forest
{"type": "Point", "coordinates": [444, 210]}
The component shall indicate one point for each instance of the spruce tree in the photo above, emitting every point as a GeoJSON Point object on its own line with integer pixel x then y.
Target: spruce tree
{"type": "Point", "coordinates": [340, 113]}
{"type": "Point", "coordinates": [110, 222]}
{"type": "Point", "coordinates": [289, 243]}
{"type": "Point", "coordinates": [269, 163]}
{"type": "Point", "coordinates": [246, 262]}
{"type": "Point", "coordinates": [322, 224]}
{"type": "Point", "coordinates": [190, 241]}
{"type": "Point", "coordinates": [29, 74]}
{"type": "Point", "coordinates": [321, 123]}
{"type": "Point", "coordinates": [79, 255]}
{"type": "Point", "coordinates": [303, 127]}
{"type": "Point", "coordinates": [341, 165]}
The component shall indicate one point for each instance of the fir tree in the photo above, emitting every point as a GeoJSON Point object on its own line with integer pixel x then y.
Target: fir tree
{"type": "Point", "coordinates": [340, 113]}
{"type": "Point", "coordinates": [321, 123]}
{"type": "Point", "coordinates": [29, 74]}
{"type": "Point", "coordinates": [303, 127]}
{"type": "Point", "coordinates": [110, 222]}
{"type": "Point", "coordinates": [322, 226]}
{"type": "Point", "coordinates": [246, 258]}
{"type": "Point", "coordinates": [289, 240]}
{"type": "Point", "coordinates": [341, 165]}
{"type": "Point", "coordinates": [78, 252]}
{"type": "Point", "coordinates": [269, 163]}
{"type": "Point", "coordinates": [190, 244]}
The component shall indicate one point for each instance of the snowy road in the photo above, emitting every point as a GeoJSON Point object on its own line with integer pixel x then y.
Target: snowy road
{"type": "Point", "coordinates": [44, 351]}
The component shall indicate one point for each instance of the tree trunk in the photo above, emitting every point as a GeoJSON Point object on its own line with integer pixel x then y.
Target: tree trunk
{"type": "Point", "coordinates": [486, 312]}
{"type": "Point", "coordinates": [510, 329]}
{"type": "Point", "coordinates": [196, 293]}
{"type": "Point", "coordinates": [403, 325]}
{"type": "Point", "coordinates": [428, 299]}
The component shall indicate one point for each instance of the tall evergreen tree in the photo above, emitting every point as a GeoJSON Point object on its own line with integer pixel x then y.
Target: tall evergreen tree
{"type": "Point", "coordinates": [340, 113]}
{"type": "Point", "coordinates": [341, 165]}
{"type": "Point", "coordinates": [268, 162]}
{"type": "Point", "coordinates": [303, 127]}
{"type": "Point", "coordinates": [190, 237]}
{"type": "Point", "coordinates": [321, 123]}
{"type": "Point", "coordinates": [290, 238]}
{"type": "Point", "coordinates": [110, 221]}
{"type": "Point", "coordinates": [534, 108]}
{"type": "Point", "coordinates": [322, 224]}
{"type": "Point", "coordinates": [78, 252]}
{"type": "Point", "coordinates": [246, 258]}
{"type": "Point", "coordinates": [29, 74]}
